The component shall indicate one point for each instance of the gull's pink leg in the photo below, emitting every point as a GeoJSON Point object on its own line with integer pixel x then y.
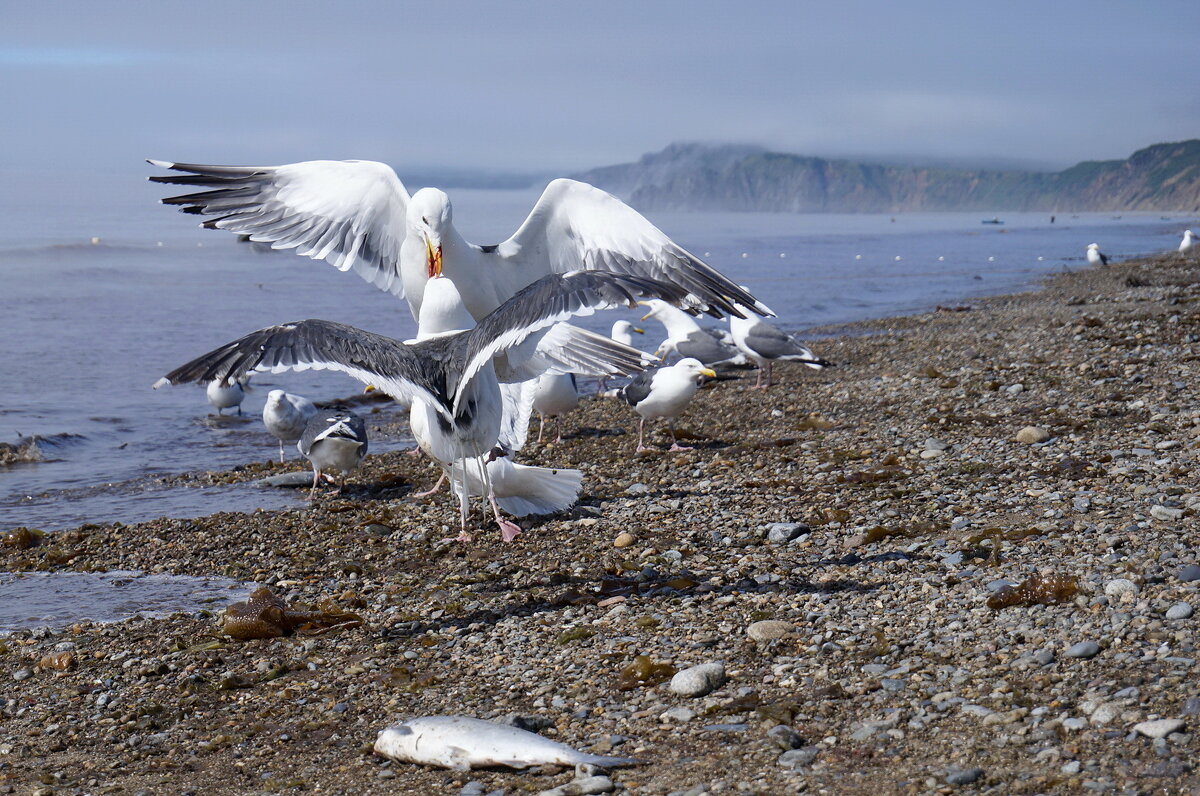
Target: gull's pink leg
{"type": "Point", "coordinates": [312, 493]}
{"type": "Point", "coordinates": [675, 446]}
{"type": "Point", "coordinates": [508, 530]}
{"type": "Point", "coordinates": [542, 426]}
{"type": "Point", "coordinates": [641, 434]}
{"type": "Point", "coordinates": [432, 491]}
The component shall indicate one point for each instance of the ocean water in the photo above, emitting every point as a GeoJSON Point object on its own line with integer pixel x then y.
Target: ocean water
{"type": "Point", "coordinates": [105, 290]}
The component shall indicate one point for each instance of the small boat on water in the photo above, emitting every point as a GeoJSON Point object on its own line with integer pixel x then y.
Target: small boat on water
{"type": "Point", "coordinates": [991, 221]}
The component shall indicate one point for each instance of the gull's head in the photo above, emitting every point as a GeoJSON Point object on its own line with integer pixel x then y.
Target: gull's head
{"type": "Point", "coordinates": [625, 327]}
{"type": "Point", "coordinates": [1187, 233]}
{"type": "Point", "coordinates": [655, 307]}
{"type": "Point", "coordinates": [430, 215]}
{"type": "Point", "coordinates": [275, 396]}
{"type": "Point", "coordinates": [694, 368]}
{"type": "Point", "coordinates": [1093, 245]}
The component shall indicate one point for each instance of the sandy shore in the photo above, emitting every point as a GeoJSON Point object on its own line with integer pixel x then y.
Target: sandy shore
{"type": "Point", "coordinates": [880, 656]}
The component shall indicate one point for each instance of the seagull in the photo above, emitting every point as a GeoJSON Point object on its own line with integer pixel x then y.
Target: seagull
{"type": "Point", "coordinates": [455, 377]}
{"type": "Point", "coordinates": [1188, 243]}
{"type": "Point", "coordinates": [335, 439]}
{"type": "Point", "coordinates": [764, 343]}
{"type": "Point", "coordinates": [223, 396]}
{"type": "Point", "coordinates": [554, 394]}
{"type": "Point", "coordinates": [686, 338]}
{"type": "Point", "coordinates": [665, 392]}
{"type": "Point", "coordinates": [357, 215]}
{"type": "Point", "coordinates": [622, 332]}
{"type": "Point", "coordinates": [285, 416]}
{"type": "Point", "coordinates": [1095, 256]}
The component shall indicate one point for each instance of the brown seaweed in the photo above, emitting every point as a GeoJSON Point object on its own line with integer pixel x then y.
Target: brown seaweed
{"type": "Point", "coordinates": [1036, 590]}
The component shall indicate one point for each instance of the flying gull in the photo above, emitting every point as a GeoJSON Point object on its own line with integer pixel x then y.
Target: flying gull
{"type": "Point", "coordinates": [664, 393]}
{"type": "Point", "coordinates": [1188, 242]}
{"type": "Point", "coordinates": [1095, 256]}
{"type": "Point", "coordinates": [686, 338]}
{"type": "Point", "coordinates": [765, 343]}
{"type": "Point", "coordinates": [357, 215]}
{"type": "Point", "coordinates": [285, 416]}
{"type": "Point", "coordinates": [454, 377]}
{"type": "Point", "coordinates": [335, 439]}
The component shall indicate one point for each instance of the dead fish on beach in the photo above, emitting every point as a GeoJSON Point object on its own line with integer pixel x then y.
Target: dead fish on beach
{"type": "Point", "coordinates": [462, 743]}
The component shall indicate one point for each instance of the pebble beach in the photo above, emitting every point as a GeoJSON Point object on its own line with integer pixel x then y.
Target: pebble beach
{"type": "Point", "coordinates": [964, 560]}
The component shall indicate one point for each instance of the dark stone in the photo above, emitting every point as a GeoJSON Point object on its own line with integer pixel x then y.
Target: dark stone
{"type": "Point", "coordinates": [963, 776]}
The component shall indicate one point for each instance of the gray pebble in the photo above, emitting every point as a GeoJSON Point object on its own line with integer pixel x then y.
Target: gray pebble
{"type": "Point", "coordinates": [797, 758]}
{"type": "Point", "coordinates": [1084, 649]}
{"type": "Point", "coordinates": [784, 532]}
{"type": "Point", "coordinates": [697, 681]}
{"type": "Point", "coordinates": [637, 489]}
{"type": "Point", "coordinates": [1191, 707]}
{"type": "Point", "coordinates": [581, 787]}
{"type": "Point", "coordinates": [963, 776]}
{"type": "Point", "coordinates": [784, 737]}
{"type": "Point", "coordinates": [1044, 657]}
{"type": "Point", "coordinates": [679, 714]}
{"type": "Point", "coordinates": [769, 630]}
{"type": "Point", "coordinates": [473, 788]}
{"type": "Point", "coordinates": [892, 684]}
{"type": "Point", "coordinates": [1189, 573]}
{"type": "Point", "coordinates": [287, 480]}
{"type": "Point", "coordinates": [1179, 611]}
{"type": "Point", "coordinates": [1119, 587]}
{"type": "Point", "coordinates": [1074, 723]}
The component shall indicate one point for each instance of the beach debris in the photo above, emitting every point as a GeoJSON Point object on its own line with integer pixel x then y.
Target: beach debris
{"type": "Point", "coordinates": [462, 743]}
{"type": "Point", "coordinates": [265, 615]}
{"type": "Point", "coordinates": [22, 538]}
{"type": "Point", "coordinates": [1036, 590]}
{"type": "Point", "coordinates": [643, 672]}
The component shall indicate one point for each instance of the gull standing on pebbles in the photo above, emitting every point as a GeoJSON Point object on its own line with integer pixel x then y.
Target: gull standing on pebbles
{"type": "Point", "coordinates": [554, 395]}
{"type": "Point", "coordinates": [1095, 256]}
{"type": "Point", "coordinates": [335, 439]}
{"type": "Point", "coordinates": [687, 339]}
{"type": "Point", "coordinates": [285, 416]}
{"type": "Point", "coordinates": [765, 343]}
{"type": "Point", "coordinates": [357, 215]}
{"type": "Point", "coordinates": [453, 377]}
{"type": "Point", "coordinates": [664, 393]}
{"type": "Point", "coordinates": [1188, 243]}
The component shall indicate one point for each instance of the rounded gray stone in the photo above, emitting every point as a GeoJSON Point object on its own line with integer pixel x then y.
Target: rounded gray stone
{"type": "Point", "coordinates": [769, 629]}
{"type": "Point", "coordinates": [784, 737]}
{"type": "Point", "coordinates": [1084, 649]}
{"type": "Point", "coordinates": [1189, 573]}
{"type": "Point", "coordinates": [796, 758]}
{"type": "Point", "coordinates": [1159, 728]}
{"type": "Point", "coordinates": [1179, 611]}
{"type": "Point", "coordinates": [963, 776]}
{"type": "Point", "coordinates": [699, 680]}
{"type": "Point", "coordinates": [1031, 435]}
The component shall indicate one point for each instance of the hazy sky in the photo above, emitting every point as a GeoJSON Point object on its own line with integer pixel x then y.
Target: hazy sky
{"type": "Point", "coordinates": [557, 86]}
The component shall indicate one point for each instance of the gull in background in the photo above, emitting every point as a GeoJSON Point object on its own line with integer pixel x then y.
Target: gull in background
{"type": "Point", "coordinates": [222, 396]}
{"type": "Point", "coordinates": [286, 415]}
{"type": "Point", "coordinates": [1188, 242]}
{"type": "Point", "coordinates": [1095, 256]}
{"type": "Point", "coordinates": [455, 377]}
{"type": "Point", "coordinates": [686, 338]}
{"type": "Point", "coordinates": [622, 332]}
{"type": "Point", "coordinates": [335, 439]}
{"type": "Point", "coordinates": [765, 343]}
{"type": "Point", "coordinates": [357, 215]}
{"type": "Point", "coordinates": [664, 393]}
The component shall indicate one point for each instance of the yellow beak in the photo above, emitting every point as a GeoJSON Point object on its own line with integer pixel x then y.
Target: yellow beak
{"type": "Point", "coordinates": [433, 260]}
{"type": "Point", "coordinates": [639, 331]}
{"type": "Point", "coordinates": [370, 388]}
{"type": "Point", "coordinates": [712, 374]}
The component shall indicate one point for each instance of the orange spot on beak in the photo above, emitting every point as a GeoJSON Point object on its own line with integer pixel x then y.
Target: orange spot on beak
{"type": "Point", "coordinates": [433, 260]}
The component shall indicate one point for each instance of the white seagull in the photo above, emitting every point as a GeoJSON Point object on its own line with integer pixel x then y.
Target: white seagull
{"type": "Point", "coordinates": [554, 395]}
{"type": "Point", "coordinates": [1095, 256]}
{"type": "Point", "coordinates": [665, 392]}
{"type": "Point", "coordinates": [357, 215]}
{"type": "Point", "coordinates": [453, 377]}
{"type": "Point", "coordinates": [335, 439]}
{"type": "Point", "coordinates": [285, 416]}
{"type": "Point", "coordinates": [1188, 243]}
{"type": "Point", "coordinates": [686, 338]}
{"type": "Point", "coordinates": [764, 343]}
{"type": "Point", "coordinates": [223, 396]}
{"type": "Point", "coordinates": [517, 488]}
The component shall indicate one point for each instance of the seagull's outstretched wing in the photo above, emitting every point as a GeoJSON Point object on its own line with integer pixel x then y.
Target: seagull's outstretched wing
{"type": "Point", "coordinates": [402, 371]}
{"type": "Point", "coordinates": [576, 226]}
{"type": "Point", "coordinates": [774, 343]}
{"type": "Point", "coordinates": [347, 212]}
{"type": "Point", "coordinates": [554, 298]}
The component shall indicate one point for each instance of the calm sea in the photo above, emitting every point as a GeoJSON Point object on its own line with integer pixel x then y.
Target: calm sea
{"type": "Point", "coordinates": [104, 291]}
